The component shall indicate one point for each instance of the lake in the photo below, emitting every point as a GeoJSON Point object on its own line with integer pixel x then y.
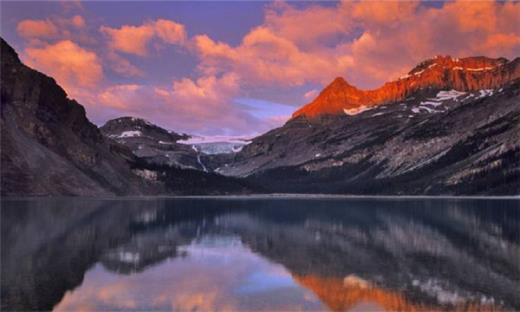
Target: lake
{"type": "Point", "coordinates": [260, 254]}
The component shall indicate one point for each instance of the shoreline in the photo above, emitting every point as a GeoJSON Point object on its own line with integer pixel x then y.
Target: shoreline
{"type": "Point", "coordinates": [274, 196]}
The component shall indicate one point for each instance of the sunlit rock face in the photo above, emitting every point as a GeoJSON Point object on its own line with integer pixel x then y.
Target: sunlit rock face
{"type": "Point", "coordinates": [440, 73]}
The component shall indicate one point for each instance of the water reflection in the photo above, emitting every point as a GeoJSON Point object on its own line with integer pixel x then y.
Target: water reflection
{"type": "Point", "coordinates": [215, 254]}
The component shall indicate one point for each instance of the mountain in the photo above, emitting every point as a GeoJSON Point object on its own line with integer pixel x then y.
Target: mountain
{"type": "Point", "coordinates": [49, 147]}
{"type": "Point", "coordinates": [151, 143]}
{"type": "Point", "coordinates": [440, 73]}
{"type": "Point", "coordinates": [154, 145]}
{"type": "Point", "coordinates": [452, 126]}
{"type": "Point", "coordinates": [434, 140]}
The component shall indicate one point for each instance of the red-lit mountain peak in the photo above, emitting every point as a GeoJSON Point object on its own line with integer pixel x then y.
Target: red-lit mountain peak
{"type": "Point", "coordinates": [441, 73]}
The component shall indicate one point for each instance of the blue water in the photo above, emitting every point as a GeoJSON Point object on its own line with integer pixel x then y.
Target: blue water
{"type": "Point", "coordinates": [262, 254]}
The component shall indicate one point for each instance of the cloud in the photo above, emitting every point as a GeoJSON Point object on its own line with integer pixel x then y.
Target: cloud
{"type": "Point", "coordinates": [367, 42]}
{"type": "Point", "coordinates": [204, 105]}
{"type": "Point", "coordinates": [135, 39]}
{"type": "Point", "coordinates": [36, 29]}
{"type": "Point", "coordinates": [170, 32]}
{"type": "Point", "coordinates": [122, 66]}
{"type": "Point", "coordinates": [309, 95]}
{"type": "Point", "coordinates": [49, 28]}
{"type": "Point", "coordinates": [71, 65]}
{"type": "Point", "coordinates": [264, 57]}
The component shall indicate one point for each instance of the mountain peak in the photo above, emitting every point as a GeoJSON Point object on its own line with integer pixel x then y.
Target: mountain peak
{"type": "Point", "coordinates": [339, 81]}
{"type": "Point", "coordinates": [338, 95]}
{"type": "Point", "coordinates": [440, 73]}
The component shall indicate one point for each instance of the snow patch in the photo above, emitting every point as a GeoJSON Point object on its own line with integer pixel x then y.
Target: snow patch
{"type": "Point", "coordinates": [480, 69]}
{"type": "Point", "coordinates": [147, 174]}
{"type": "Point", "coordinates": [473, 69]}
{"type": "Point", "coordinates": [484, 93]}
{"type": "Point", "coordinates": [130, 134]}
{"type": "Point", "coordinates": [200, 139]}
{"type": "Point", "coordinates": [146, 122]}
{"type": "Point", "coordinates": [431, 103]}
{"type": "Point", "coordinates": [434, 288]}
{"type": "Point", "coordinates": [355, 111]}
{"type": "Point", "coordinates": [449, 95]}
{"type": "Point", "coordinates": [129, 257]}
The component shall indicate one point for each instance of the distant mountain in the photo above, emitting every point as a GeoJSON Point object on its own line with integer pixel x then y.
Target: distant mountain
{"type": "Point", "coordinates": [151, 143]}
{"type": "Point", "coordinates": [427, 140]}
{"type": "Point", "coordinates": [155, 145]}
{"type": "Point", "coordinates": [440, 73]}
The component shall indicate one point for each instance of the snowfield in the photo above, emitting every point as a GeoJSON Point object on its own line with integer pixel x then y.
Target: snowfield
{"type": "Point", "coordinates": [130, 134]}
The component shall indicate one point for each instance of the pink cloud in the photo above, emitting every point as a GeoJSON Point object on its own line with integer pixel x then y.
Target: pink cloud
{"type": "Point", "coordinates": [135, 39]}
{"type": "Point", "coordinates": [202, 106]}
{"type": "Point", "coordinates": [394, 37]}
{"type": "Point", "coordinates": [310, 95]}
{"type": "Point", "coordinates": [71, 65]}
{"type": "Point", "coordinates": [129, 39]}
{"type": "Point", "coordinates": [170, 32]}
{"type": "Point", "coordinates": [122, 66]}
{"type": "Point", "coordinates": [36, 29]}
{"type": "Point", "coordinates": [49, 28]}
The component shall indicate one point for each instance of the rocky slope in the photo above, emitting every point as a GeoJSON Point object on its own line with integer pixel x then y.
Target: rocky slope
{"type": "Point", "coordinates": [432, 142]}
{"type": "Point", "coordinates": [440, 73]}
{"type": "Point", "coordinates": [48, 144]}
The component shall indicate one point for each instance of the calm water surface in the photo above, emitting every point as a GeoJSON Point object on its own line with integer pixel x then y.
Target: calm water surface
{"type": "Point", "coordinates": [260, 254]}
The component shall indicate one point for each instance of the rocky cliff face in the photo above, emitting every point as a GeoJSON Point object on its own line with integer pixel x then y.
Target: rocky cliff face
{"type": "Point", "coordinates": [441, 73]}
{"type": "Point", "coordinates": [49, 147]}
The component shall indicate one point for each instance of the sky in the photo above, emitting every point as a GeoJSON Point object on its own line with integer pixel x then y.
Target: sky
{"type": "Point", "coordinates": [240, 68]}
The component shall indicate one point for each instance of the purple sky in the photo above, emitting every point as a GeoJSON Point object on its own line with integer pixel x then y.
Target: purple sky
{"type": "Point", "coordinates": [239, 68]}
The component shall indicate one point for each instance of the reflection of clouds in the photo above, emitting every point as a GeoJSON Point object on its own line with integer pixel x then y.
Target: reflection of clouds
{"type": "Point", "coordinates": [208, 279]}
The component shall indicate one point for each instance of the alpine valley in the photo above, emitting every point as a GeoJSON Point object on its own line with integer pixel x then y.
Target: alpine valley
{"type": "Point", "coordinates": [449, 127]}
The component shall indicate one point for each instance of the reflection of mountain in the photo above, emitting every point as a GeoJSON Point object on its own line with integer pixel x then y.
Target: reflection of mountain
{"type": "Point", "coordinates": [339, 295]}
{"type": "Point", "coordinates": [429, 253]}
{"type": "Point", "coordinates": [436, 254]}
{"type": "Point", "coordinates": [45, 251]}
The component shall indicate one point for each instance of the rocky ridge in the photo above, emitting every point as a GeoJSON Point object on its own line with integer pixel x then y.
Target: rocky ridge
{"type": "Point", "coordinates": [440, 73]}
